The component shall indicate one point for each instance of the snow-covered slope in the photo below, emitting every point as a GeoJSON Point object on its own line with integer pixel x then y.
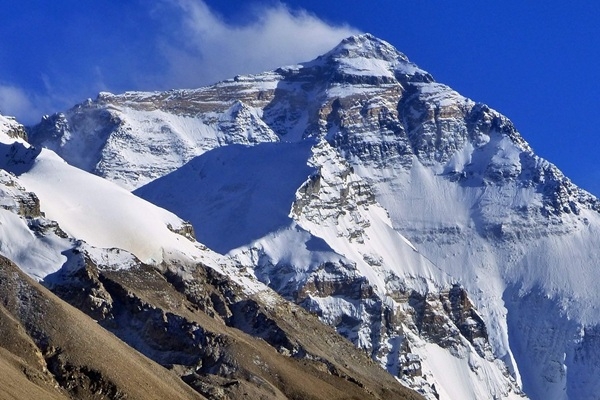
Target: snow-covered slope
{"type": "Point", "coordinates": [113, 217]}
{"type": "Point", "coordinates": [52, 213]}
{"type": "Point", "coordinates": [417, 222]}
{"type": "Point", "coordinates": [235, 194]}
{"type": "Point", "coordinates": [33, 242]}
{"type": "Point", "coordinates": [137, 271]}
{"type": "Point", "coordinates": [135, 138]}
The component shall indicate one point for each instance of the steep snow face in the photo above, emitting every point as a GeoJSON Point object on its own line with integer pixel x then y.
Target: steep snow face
{"type": "Point", "coordinates": [507, 219]}
{"type": "Point", "coordinates": [113, 216]}
{"type": "Point", "coordinates": [51, 213]}
{"type": "Point", "coordinates": [297, 103]}
{"type": "Point", "coordinates": [549, 370]}
{"type": "Point", "coordinates": [134, 138]}
{"type": "Point", "coordinates": [340, 207]}
{"type": "Point", "coordinates": [369, 57]}
{"type": "Point", "coordinates": [36, 244]}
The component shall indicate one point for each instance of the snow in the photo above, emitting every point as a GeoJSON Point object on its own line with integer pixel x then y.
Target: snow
{"type": "Point", "coordinates": [6, 125]}
{"type": "Point", "coordinates": [111, 225]}
{"type": "Point", "coordinates": [289, 246]}
{"type": "Point", "coordinates": [236, 194]}
{"type": "Point", "coordinates": [366, 67]}
{"type": "Point", "coordinates": [112, 259]}
{"type": "Point", "coordinates": [342, 90]}
{"type": "Point", "coordinates": [551, 260]}
{"type": "Point", "coordinates": [239, 199]}
{"type": "Point", "coordinates": [115, 218]}
{"type": "Point", "coordinates": [334, 308]}
{"type": "Point", "coordinates": [463, 377]}
{"type": "Point", "coordinates": [38, 257]}
{"type": "Point", "coordinates": [142, 145]}
{"type": "Point", "coordinates": [366, 55]}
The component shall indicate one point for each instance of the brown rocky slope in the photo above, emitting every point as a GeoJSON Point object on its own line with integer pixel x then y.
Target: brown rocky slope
{"type": "Point", "coordinates": [210, 338]}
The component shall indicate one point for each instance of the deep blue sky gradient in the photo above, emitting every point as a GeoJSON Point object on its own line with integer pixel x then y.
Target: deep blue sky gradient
{"type": "Point", "coordinates": [535, 62]}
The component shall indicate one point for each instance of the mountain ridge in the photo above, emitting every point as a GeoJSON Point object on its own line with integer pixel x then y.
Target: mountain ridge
{"type": "Point", "coordinates": [189, 324]}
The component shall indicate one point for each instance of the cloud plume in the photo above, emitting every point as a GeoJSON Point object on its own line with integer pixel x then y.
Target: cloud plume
{"type": "Point", "coordinates": [208, 49]}
{"type": "Point", "coordinates": [15, 101]}
{"type": "Point", "coordinates": [152, 46]}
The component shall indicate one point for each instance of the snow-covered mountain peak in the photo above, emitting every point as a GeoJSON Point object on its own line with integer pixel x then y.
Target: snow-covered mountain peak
{"type": "Point", "coordinates": [367, 46]}
{"type": "Point", "coordinates": [365, 55]}
{"type": "Point", "coordinates": [409, 179]}
{"type": "Point", "coordinates": [11, 128]}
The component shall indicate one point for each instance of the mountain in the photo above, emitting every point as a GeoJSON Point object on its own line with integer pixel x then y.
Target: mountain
{"type": "Point", "coordinates": [416, 222]}
{"type": "Point", "coordinates": [130, 305]}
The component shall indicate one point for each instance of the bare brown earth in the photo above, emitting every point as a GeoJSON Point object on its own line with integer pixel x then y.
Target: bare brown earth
{"type": "Point", "coordinates": [50, 350]}
{"type": "Point", "coordinates": [19, 381]}
{"type": "Point", "coordinates": [224, 343]}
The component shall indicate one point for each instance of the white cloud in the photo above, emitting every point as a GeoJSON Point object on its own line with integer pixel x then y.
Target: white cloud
{"type": "Point", "coordinates": [29, 106]}
{"type": "Point", "coordinates": [196, 47]}
{"type": "Point", "coordinates": [208, 49]}
{"type": "Point", "coordinates": [14, 101]}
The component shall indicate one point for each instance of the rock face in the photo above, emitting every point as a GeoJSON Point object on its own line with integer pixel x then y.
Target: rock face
{"type": "Point", "coordinates": [416, 222]}
{"type": "Point", "coordinates": [10, 127]}
{"type": "Point", "coordinates": [219, 340]}
{"type": "Point", "coordinates": [64, 354]}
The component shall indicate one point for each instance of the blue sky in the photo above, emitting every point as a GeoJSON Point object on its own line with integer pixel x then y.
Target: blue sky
{"type": "Point", "coordinates": [536, 62]}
